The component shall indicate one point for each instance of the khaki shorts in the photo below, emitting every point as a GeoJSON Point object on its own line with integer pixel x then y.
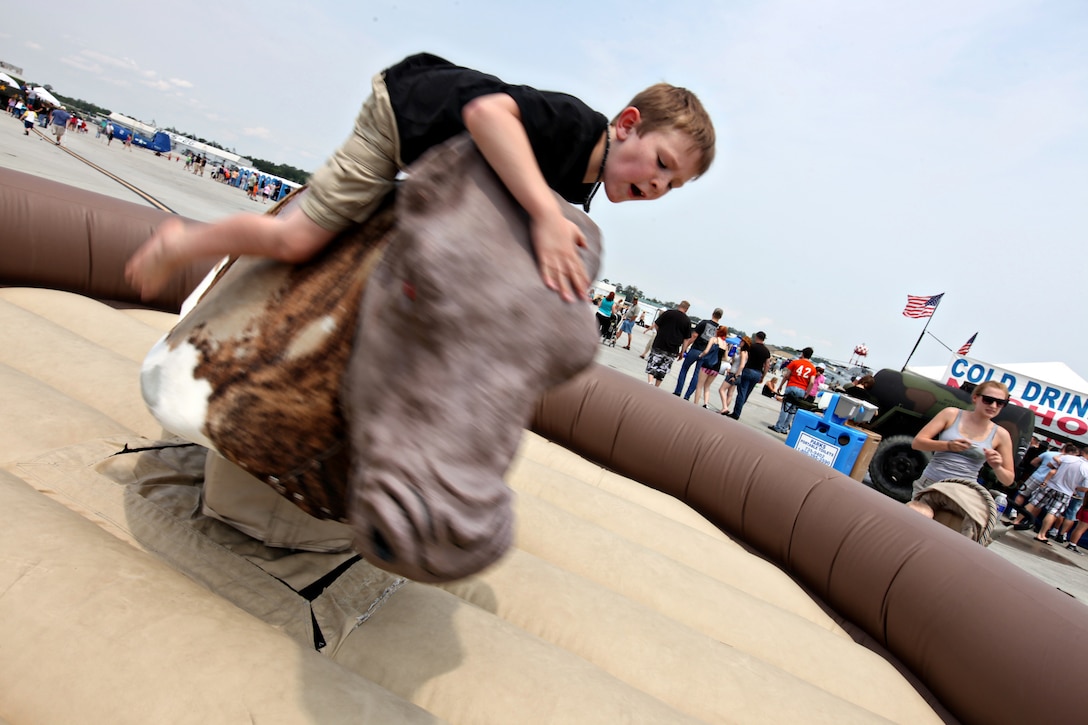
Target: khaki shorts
{"type": "Point", "coordinates": [237, 498]}
{"type": "Point", "coordinates": [353, 181]}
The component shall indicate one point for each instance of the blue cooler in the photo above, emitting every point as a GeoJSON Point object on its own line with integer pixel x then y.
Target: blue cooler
{"type": "Point", "coordinates": [828, 442]}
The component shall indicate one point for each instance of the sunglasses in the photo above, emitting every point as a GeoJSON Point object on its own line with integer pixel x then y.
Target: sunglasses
{"type": "Point", "coordinates": [991, 400]}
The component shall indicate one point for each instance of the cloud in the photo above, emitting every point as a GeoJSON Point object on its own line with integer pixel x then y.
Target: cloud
{"type": "Point", "coordinates": [161, 84]}
{"type": "Point", "coordinates": [257, 132]}
{"type": "Point", "coordinates": [104, 59]}
{"type": "Point", "coordinates": [32, 45]}
{"type": "Point", "coordinates": [84, 64]}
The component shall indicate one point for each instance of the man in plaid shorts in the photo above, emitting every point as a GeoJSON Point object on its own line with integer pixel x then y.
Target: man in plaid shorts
{"type": "Point", "coordinates": [1045, 463]}
{"type": "Point", "coordinates": [673, 327]}
{"type": "Point", "coordinates": [1058, 488]}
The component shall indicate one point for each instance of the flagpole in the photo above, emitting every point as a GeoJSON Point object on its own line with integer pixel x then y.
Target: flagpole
{"type": "Point", "coordinates": [936, 302]}
{"type": "Point", "coordinates": [903, 369]}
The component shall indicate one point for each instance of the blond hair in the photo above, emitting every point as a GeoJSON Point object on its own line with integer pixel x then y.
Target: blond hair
{"type": "Point", "coordinates": [991, 384]}
{"type": "Point", "coordinates": [663, 106]}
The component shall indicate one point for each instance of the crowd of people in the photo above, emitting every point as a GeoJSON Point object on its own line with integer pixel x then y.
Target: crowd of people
{"type": "Point", "coordinates": [36, 112]}
{"type": "Point", "coordinates": [1047, 490]}
{"type": "Point", "coordinates": [1049, 494]}
{"type": "Point", "coordinates": [709, 355]}
{"type": "Point", "coordinates": [257, 186]}
{"type": "Point", "coordinates": [1049, 486]}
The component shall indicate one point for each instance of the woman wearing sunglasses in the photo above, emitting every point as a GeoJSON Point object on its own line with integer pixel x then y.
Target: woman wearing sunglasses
{"type": "Point", "coordinates": [962, 440]}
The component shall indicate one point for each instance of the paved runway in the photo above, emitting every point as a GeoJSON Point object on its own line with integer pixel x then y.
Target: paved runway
{"type": "Point", "coordinates": [207, 200]}
{"type": "Point", "coordinates": [166, 180]}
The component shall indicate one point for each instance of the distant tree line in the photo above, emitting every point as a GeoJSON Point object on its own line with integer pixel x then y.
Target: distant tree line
{"type": "Point", "coordinates": [630, 291]}
{"type": "Point", "coordinates": [78, 104]}
{"type": "Point", "coordinates": [285, 171]}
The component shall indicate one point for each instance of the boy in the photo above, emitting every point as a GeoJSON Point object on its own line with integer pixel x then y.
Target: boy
{"type": "Point", "coordinates": [535, 141]}
{"type": "Point", "coordinates": [29, 117]}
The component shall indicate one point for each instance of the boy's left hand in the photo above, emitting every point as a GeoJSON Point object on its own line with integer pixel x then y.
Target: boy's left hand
{"type": "Point", "coordinates": [556, 240]}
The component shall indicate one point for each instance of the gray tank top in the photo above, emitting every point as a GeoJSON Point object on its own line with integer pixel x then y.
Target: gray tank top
{"type": "Point", "coordinates": [965, 464]}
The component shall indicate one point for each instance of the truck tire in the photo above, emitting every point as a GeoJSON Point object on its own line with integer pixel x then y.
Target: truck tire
{"type": "Point", "coordinates": [896, 466]}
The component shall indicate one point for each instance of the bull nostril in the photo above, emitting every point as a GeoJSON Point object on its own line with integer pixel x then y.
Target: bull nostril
{"type": "Point", "coordinates": [381, 546]}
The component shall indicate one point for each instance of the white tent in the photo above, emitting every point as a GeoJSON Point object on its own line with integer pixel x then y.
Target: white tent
{"type": "Point", "coordinates": [8, 80]}
{"type": "Point", "coordinates": [47, 97]}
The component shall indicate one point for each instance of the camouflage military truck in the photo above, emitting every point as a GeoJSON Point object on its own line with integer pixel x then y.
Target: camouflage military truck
{"type": "Point", "coordinates": [906, 402]}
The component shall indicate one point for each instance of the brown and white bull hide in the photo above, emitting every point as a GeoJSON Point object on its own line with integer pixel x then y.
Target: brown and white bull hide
{"type": "Point", "coordinates": [387, 381]}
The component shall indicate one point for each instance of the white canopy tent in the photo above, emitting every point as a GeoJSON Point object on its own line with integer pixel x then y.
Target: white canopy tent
{"type": "Point", "coordinates": [47, 97]}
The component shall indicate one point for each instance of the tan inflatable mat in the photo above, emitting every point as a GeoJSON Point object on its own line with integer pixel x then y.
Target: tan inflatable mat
{"type": "Point", "coordinates": [618, 604]}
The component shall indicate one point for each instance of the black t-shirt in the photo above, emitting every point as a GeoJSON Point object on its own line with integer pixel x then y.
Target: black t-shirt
{"type": "Point", "coordinates": [673, 327]}
{"type": "Point", "coordinates": [429, 93]}
{"type": "Point", "coordinates": [1026, 468]}
{"type": "Point", "coordinates": [705, 330]}
{"type": "Point", "coordinates": [758, 354]}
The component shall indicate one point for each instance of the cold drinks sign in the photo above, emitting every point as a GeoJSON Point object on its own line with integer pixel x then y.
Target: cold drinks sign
{"type": "Point", "coordinates": [1057, 410]}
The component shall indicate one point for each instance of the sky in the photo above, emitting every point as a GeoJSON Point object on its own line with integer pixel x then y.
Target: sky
{"type": "Point", "coordinates": [866, 150]}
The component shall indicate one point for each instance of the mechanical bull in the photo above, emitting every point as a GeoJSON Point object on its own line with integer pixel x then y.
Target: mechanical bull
{"type": "Point", "coordinates": [386, 382]}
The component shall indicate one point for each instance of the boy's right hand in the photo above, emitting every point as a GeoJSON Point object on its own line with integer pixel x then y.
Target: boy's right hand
{"type": "Point", "coordinates": [556, 241]}
{"type": "Point", "coordinates": [150, 267]}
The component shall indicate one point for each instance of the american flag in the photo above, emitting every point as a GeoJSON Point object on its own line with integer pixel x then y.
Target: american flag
{"type": "Point", "coordinates": [967, 345]}
{"type": "Point", "coordinates": [921, 306]}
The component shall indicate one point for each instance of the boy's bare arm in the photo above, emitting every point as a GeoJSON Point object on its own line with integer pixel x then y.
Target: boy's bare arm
{"type": "Point", "coordinates": [495, 124]}
{"type": "Point", "coordinates": [291, 238]}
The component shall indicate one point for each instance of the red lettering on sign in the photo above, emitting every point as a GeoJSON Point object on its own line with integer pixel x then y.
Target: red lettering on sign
{"type": "Point", "coordinates": [1046, 416]}
{"type": "Point", "coordinates": [1073, 426]}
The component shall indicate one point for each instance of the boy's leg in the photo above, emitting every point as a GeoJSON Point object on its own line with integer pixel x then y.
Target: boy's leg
{"type": "Point", "coordinates": [250, 505]}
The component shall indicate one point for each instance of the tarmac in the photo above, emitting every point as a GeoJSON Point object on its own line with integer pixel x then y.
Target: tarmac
{"type": "Point", "coordinates": [203, 199]}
